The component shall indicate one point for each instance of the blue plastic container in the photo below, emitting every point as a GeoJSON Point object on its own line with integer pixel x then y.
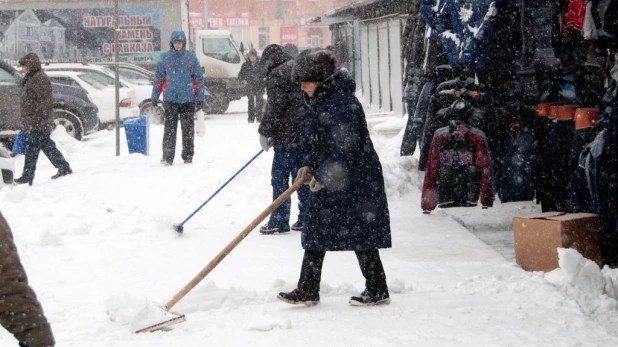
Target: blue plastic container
{"type": "Point", "coordinates": [138, 134]}
{"type": "Point", "coordinates": [19, 145]}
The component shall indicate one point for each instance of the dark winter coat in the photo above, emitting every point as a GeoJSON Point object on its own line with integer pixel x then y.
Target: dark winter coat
{"type": "Point", "coordinates": [351, 211]}
{"type": "Point", "coordinates": [20, 311]}
{"type": "Point", "coordinates": [36, 97]}
{"type": "Point", "coordinates": [517, 167]}
{"type": "Point", "coordinates": [284, 116]}
{"type": "Point", "coordinates": [178, 75]}
{"type": "Point", "coordinates": [249, 72]}
{"type": "Point", "coordinates": [579, 194]}
{"type": "Point", "coordinates": [458, 170]}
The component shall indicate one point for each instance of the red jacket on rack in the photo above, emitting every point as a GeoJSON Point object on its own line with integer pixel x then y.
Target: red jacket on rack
{"type": "Point", "coordinates": [458, 169]}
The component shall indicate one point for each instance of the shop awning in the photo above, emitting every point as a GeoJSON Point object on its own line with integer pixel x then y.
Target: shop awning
{"type": "Point", "coordinates": [368, 9]}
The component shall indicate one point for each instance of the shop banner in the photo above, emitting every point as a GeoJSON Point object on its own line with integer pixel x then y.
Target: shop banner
{"type": "Point", "coordinates": [196, 21]}
{"type": "Point", "coordinates": [81, 35]}
{"type": "Point", "coordinates": [289, 35]}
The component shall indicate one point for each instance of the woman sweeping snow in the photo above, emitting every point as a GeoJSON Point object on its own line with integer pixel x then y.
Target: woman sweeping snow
{"type": "Point", "coordinates": [348, 210]}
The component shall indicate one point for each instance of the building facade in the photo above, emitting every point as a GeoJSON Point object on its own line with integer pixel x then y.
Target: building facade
{"type": "Point", "coordinates": [258, 23]}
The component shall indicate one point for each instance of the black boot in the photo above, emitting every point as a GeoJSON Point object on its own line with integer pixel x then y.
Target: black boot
{"type": "Point", "coordinates": [62, 172]}
{"type": "Point", "coordinates": [369, 299]}
{"type": "Point", "coordinates": [23, 180]}
{"type": "Point", "coordinates": [299, 297]}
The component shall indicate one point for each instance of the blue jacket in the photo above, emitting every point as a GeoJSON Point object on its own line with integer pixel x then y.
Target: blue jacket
{"type": "Point", "coordinates": [179, 75]}
{"type": "Point", "coordinates": [465, 28]}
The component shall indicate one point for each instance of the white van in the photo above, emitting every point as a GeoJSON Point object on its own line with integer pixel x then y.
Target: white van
{"type": "Point", "coordinates": [221, 59]}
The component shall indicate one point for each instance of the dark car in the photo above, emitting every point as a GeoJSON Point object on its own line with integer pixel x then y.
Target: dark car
{"type": "Point", "coordinates": [72, 107]}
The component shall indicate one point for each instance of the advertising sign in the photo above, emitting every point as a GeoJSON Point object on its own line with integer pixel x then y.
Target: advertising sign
{"type": "Point", "coordinates": [289, 35]}
{"type": "Point", "coordinates": [196, 21]}
{"type": "Point", "coordinates": [81, 35]}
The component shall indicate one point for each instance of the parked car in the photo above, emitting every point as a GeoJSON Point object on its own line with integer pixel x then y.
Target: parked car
{"type": "Point", "coordinates": [102, 91]}
{"type": "Point", "coordinates": [131, 72]}
{"type": "Point", "coordinates": [73, 109]}
{"type": "Point", "coordinates": [143, 90]}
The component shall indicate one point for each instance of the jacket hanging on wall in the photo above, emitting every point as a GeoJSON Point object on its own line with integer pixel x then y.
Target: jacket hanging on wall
{"type": "Point", "coordinates": [458, 170]}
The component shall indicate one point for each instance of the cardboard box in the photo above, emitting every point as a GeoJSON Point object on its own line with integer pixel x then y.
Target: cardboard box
{"type": "Point", "coordinates": [537, 238]}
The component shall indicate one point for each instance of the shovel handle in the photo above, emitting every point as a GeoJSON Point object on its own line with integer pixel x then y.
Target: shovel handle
{"type": "Point", "coordinates": [219, 257]}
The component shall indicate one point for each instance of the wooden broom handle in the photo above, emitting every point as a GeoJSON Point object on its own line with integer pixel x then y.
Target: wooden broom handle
{"type": "Point", "coordinates": [219, 257]}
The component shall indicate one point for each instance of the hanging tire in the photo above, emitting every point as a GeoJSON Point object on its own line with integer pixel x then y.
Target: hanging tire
{"type": "Point", "coordinates": [156, 113]}
{"type": "Point", "coordinates": [71, 123]}
{"type": "Point", "coordinates": [218, 103]}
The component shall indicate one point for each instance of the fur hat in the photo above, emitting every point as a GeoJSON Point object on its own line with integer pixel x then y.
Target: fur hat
{"type": "Point", "coordinates": [31, 60]}
{"type": "Point", "coordinates": [314, 65]}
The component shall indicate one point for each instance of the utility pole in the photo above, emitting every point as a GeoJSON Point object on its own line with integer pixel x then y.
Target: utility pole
{"type": "Point", "coordinates": [117, 83]}
{"type": "Point", "coordinates": [205, 14]}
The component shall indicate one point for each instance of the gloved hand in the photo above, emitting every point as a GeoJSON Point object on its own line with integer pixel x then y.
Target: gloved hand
{"type": "Point", "coordinates": [199, 106]}
{"type": "Point", "coordinates": [304, 173]}
{"type": "Point", "coordinates": [314, 185]}
{"type": "Point", "coordinates": [266, 142]}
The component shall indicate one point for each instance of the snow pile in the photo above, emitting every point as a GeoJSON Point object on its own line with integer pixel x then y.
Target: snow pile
{"type": "Point", "coordinates": [594, 290]}
{"type": "Point", "coordinates": [400, 173]}
{"type": "Point", "coordinates": [126, 309]}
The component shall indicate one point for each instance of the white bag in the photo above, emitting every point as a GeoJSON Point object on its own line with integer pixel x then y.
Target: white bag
{"type": "Point", "coordinates": [200, 127]}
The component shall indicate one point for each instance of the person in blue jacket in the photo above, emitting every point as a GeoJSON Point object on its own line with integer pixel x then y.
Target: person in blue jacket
{"type": "Point", "coordinates": [179, 77]}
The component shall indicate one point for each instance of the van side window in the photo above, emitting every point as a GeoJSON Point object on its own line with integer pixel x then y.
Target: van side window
{"type": "Point", "coordinates": [221, 49]}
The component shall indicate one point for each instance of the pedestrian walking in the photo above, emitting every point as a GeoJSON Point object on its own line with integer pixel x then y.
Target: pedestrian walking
{"type": "Point", "coordinates": [179, 77]}
{"type": "Point", "coordinates": [21, 313]}
{"type": "Point", "coordinates": [37, 120]}
{"type": "Point", "coordinates": [254, 85]}
{"type": "Point", "coordinates": [347, 209]}
{"type": "Point", "coordinates": [282, 127]}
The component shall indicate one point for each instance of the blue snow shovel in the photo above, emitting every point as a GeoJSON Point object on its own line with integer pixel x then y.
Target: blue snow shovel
{"type": "Point", "coordinates": [180, 227]}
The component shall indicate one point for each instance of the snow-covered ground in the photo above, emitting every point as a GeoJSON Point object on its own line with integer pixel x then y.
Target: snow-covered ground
{"type": "Point", "coordinates": [98, 246]}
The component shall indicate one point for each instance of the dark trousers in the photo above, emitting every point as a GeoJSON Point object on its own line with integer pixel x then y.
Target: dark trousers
{"type": "Point", "coordinates": [370, 265]}
{"type": "Point", "coordinates": [256, 104]}
{"type": "Point", "coordinates": [40, 141]}
{"type": "Point", "coordinates": [185, 113]}
{"type": "Point", "coordinates": [286, 163]}
{"type": "Point", "coordinates": [609, 237]}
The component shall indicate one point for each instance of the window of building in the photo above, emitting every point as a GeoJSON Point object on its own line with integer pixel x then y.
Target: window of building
{"type": "Point", "coordinates": [221, 49]}
{"type": "Point", "coordinates": [28, 31]}
{"type": "Point", "coordinates": [264, 37]}
{"type": "Point", "coordinates": [316, 41]}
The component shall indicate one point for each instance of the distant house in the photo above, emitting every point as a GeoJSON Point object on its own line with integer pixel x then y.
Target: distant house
{"type": "Point", "coordinates": [27, 34]}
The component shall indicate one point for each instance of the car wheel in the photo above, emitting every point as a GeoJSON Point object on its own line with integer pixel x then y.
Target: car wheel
{"type": "Point", "coordinates": [218, 103]}
{"type": "Point", "coordinates": [70, 122]}
{"type": "Point", "coordinates": [156, 113]}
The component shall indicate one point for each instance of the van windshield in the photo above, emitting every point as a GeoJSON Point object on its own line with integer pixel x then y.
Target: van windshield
{"type": "Point", "coordinates": [221, 48]}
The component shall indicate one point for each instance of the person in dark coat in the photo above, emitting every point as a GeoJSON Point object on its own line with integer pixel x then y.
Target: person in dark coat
{"type": "Point", "coordinates": [254, 85]}
{"type": "Point", "coordinates": [21, 313]}
{"type": "Point", "coordinates": [348, 209]}
{"type": "Point", "coordinates": [282, 127]}
{"type": "Point", "coordinates": [179, 77]}
{"type": "Point", "coordinates": [37, 119]}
